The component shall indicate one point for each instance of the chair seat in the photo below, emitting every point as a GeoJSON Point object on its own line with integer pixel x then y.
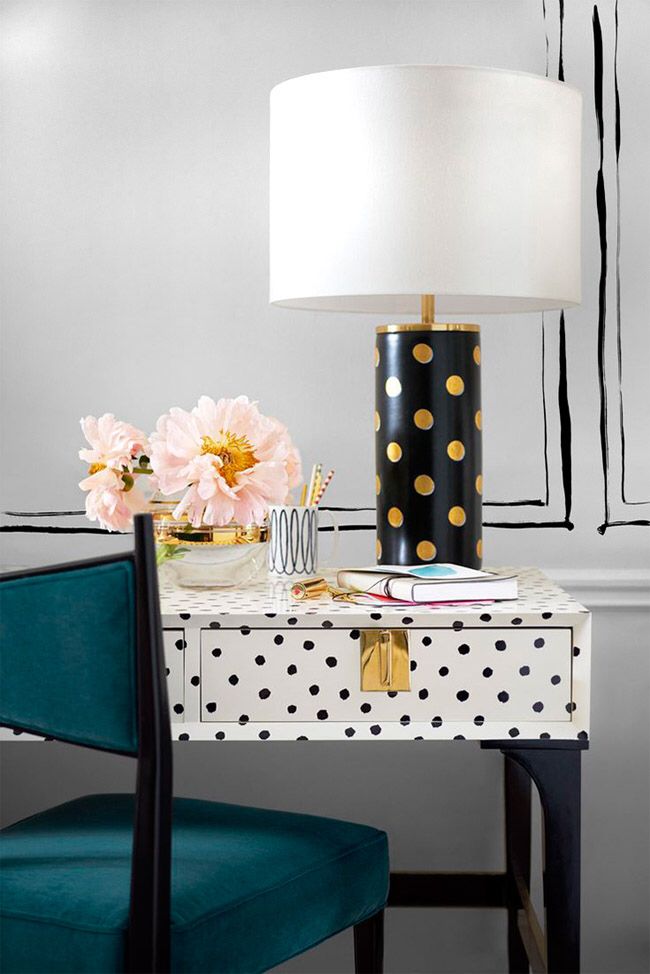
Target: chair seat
{"type": "Point", "coordinates": [250, 887]}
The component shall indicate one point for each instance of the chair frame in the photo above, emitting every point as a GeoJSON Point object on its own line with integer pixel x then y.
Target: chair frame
{"type": "Point", "coordinates": [148, 935]}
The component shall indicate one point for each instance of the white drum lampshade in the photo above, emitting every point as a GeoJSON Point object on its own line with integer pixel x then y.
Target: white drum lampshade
{"type": "Point", "coordinates": [391, 182]}
{"type": "Point", "coordinates": [396, 189]}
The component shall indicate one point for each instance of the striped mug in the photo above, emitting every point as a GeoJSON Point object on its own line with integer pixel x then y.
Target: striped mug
{"type": "Point", "coordinates": [293, 540]}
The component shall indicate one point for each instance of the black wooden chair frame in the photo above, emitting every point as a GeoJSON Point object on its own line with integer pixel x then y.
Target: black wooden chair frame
{"type": "Point", "coordinates": [148, 939]}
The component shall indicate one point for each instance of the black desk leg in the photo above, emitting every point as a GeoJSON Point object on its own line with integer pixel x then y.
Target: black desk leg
{"type": "Point", "coordinates": [556, 773]}
{"type": "Point", "coordinates": [517, 809]}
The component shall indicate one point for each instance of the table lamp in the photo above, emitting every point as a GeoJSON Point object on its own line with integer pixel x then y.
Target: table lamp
{"type": "Point", "coordinates": [432, 190]}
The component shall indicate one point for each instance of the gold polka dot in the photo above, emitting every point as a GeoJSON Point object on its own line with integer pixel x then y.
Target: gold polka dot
{"type": "Point", "coordinates": [378, 548]}
{"type": "Point", "coordinates": [377, 485]}
{"type": "Point", "coordinates": [423, 419]}
{"type": "Point", "coordinates": [393, 386]}
{"type": "Point", "coordinates": [394, 452]}
{"type": "Point", "coordinates": [479, 547]}
{"type": "Point", "coordinates": [478, 420]}
{"type": "Point", "coordinates": [424, 484]}
{"type": "Point", "coordinates": [423, 353]}
{"type": "Point", "coordinates": [476, 354]}
{"type": "Point", "coordinates": [395, 517]}
{"type": "Point", "coordinates": [426, 550]}
{"type": "Point", "coordinates": [457, 517]}
{"type": "Point", "coordinates": [455, 385]}
{"type": "Point", "coordinates": [377, 421]}
{"type": "Point", "coordinates": [455, 450]}
{"type": "Point", "coordinates": [376, 356]}
{"type": "Point", "coordinates": [478, 483]}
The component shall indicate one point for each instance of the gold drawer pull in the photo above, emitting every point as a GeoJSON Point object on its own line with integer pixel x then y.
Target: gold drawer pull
{"type": "Point", "coordinates": [385, 660]}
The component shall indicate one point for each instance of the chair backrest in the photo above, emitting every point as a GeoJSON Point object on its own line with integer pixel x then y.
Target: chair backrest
{"type": "Point", "coordinates": [68, 664]}
{"type": "Point", "coordinates": [81, 660]}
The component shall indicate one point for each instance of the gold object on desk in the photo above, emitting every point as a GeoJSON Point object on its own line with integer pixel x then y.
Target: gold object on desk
{"type": "Point", "coordinates": [309, 588]}
{"type": "Point", "coordinates": [385, 660]}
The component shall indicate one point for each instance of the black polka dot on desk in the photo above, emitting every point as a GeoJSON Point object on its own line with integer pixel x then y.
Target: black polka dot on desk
{"type": "Point", "coordinates": [344, 694]}
{"type": "Point", "coordinates": [365, 708]}
{"type": "Point", "coordinates": [292, 621]}
{"type": "Point", "coordinates": [426, 640]}
{"type": "Point", "coordinates": [233, 680]}
{"type": "Point", "coordinates": [264, 693]}
{"type": "Point", "coordinates": [292, 669]}
{"type": "Point", "coordinates": [326, 624]}
{"type": "Point", "coordinates": [524, 670]}
{"type": "Point", "coordinates": [463, 649]}
{"type": "Point", "coordinates": [459, 737]}
{"type": "Point", "coordinates": [375, 615]}
{"type": "Point", "coordinates": [407, 620]}
{"type": "Point", "coordinates": [302, 738]}
{"type": "Point", "coordinates": [178, 708]}
{"type": "Point", "coordinates": [479, 720]}
{"type": "Point", "coordinates": [486, 617]}
{"type": "Point", "coordinates": [260, 660]}
{"type": "Point", "coordinates": [184, 615]}
{"type": "Point", "coordinates": [245, 630]}
{"type": "Point", "coordinates": [183, 737]}
{"type": "Point", "coordinates": [270, 615]}
{"type": "Point", "coordinates": [556, 679]}
{"type": "Point", "coordinates": [423, 693]}
{"type": "Point", "coordinates": [539, 643]}
{"type": "Point", "coordinates": [195, 681]}
{"type": "Point", "coordinates": [570, 707]}
{"type": "Point", "coordinates": [547, 615]}
{"type": "Point", "coordinates": [538, 706]}
{"type": "Point", "coordinates": [278, 639]}
{"type": "Point", "coordinates": [500, 645]}
{"type": "Point", "coordinates": [354, 634]}
{"type": "Point", "coordinates": [462, 695]}
{"type": "Point", "coordinates": [291, 709]}
{"type": "Point", "coordinates": [216, 651]}
{"type": "Point", "coordinates": [516, 621]}
{"type": "Point", "coordinates": [314, 689]}
{"type": "Point", "coordinates": [180, 644]}
{"type": "Point", "coordinates": [167, 671]}
{"type": "Point", "coordinates": [488, 671]}
{"type": "Point", "coordinates": [405, 719]}
{"type": "Point", "coordinates": [392, 694]}
{"type": "Point", "coordinates": [443, 671]}
{"type": "Point", "coordinates": [308, 644]}
{"type": "Point", "coordinates": [583, 736]}
{"type": "Point", "coordinates": [220, 736]}
{"type": "Point", "coordinates": [413, 665]}
{"type": "Point", "coordinates": [322, 715]}
{"type": "Point", "coordinates": [211, 707]}
{"type": "Point", "coordinates": [375, 729]}
{"type": "Point", "coordinates": [243, 718]}
{"type": "Point", "coordinates": [514, 732]}
{"type": "Point", "coordinates": [503, 696]}
{"type": "Point", "coordinates": [457, 625]}
{"type": "Point", "coordinates": [215, 625]}
{"type": "Point", "coordinates": [576, 650]}
{"type": "Point", "coordinates": [544, 736]}
{"type": "Point", "coordinates": [349, 732]}
{"type": "Point", "coordinates": [331, 661]}
{"type": "Point", "coordinates": [264, 735]}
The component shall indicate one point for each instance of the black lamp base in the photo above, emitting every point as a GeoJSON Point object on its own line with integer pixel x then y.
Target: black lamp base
{"type": "Point", "coordinates": [428, 444]}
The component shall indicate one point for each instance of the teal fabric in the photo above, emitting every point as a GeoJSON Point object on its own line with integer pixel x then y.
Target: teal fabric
{"type": "Point", "coordinates": [250, 887]}
{"type": "Point", "coordinates": [68, 656]}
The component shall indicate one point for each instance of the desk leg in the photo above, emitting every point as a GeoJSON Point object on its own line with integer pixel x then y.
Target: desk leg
{"type": "Point", "coordinates": [517, 813]}
{"type": "Point", "coordinates": [556, 773]}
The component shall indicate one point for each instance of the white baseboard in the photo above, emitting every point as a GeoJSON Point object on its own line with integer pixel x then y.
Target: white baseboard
{"type": "Point", "coordinates": [600, 588]}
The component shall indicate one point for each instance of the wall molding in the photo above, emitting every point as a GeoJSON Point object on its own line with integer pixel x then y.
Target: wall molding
{"type": "Point", "coordinates": [602, 588]}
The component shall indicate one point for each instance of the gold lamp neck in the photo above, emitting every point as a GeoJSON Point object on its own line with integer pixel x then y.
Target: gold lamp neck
{"type": "Point", "coordinates": [428, 309]}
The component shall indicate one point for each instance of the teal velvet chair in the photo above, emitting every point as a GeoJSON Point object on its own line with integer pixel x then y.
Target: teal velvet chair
{"type": "Point", "coordinates": [144, 882]}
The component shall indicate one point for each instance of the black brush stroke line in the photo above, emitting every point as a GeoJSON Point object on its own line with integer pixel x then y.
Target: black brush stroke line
{"type": "Point", "coordinates": [545, 33]}
{"type": "Point", "coordinates": [619, 335]}
{"type": "Point", "coordinates": [36, 529]}
{"type": "Point", "coordinates": [640, 523]}
{"type": "Point", "coordinates": [601, 209]}
{"type": "Point", "coordinates": [538, 502]}
{"type": "Point", "coordinates": [349, 527]}
{"type": "Point", "coordinates": [560, 63]}
{"type": "Point", "coordinates": [546, 481]}
{"type": "Point", "coordinates": [567, 525]}
{"type": "Point", "coordinates": [43, 513]}
{"type": "Point", "coordinates": [565, 422]}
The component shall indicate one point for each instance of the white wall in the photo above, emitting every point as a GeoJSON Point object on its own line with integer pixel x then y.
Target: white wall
{"type": "Point", "coordinates": [136, 247]}
{"type": "Point", "coordinates": [135, 277]}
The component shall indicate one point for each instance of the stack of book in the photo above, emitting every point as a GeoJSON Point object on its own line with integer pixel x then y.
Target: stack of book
{"type": "Point", "coordinates": [427, 584]}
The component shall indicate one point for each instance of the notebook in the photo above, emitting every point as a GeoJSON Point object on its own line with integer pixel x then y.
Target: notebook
{"type": "Point", "coordinates": [429, 583]}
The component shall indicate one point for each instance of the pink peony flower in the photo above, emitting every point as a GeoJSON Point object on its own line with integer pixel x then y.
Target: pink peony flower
{"type": "Point", "coordinates": [109, 502]}
{"type": "Point", "coordinates": [114, 443]}
{"type": "Point", "coordinates": [229, 459]}
{"type": "Point", "coordinates": [112, 498]}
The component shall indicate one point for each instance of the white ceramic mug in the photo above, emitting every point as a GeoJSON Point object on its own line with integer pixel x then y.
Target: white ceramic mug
{"type": "Point", "coordinates": [293, 540]}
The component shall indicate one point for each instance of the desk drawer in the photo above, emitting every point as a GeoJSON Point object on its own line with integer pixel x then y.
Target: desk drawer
{"type": "Point", "coordinates": [314, 675]}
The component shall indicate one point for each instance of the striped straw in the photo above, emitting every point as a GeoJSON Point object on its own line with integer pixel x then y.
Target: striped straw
{"type": "Point", "coordinates": [324, 487]}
